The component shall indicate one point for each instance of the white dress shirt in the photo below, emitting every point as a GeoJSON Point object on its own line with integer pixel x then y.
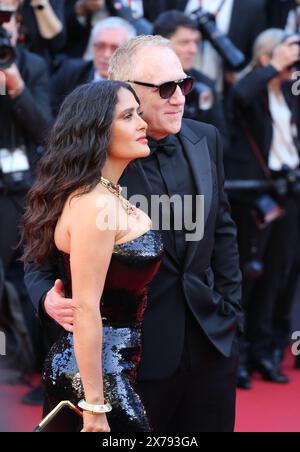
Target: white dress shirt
{"type": "Point", "coordinates": [283, 150]}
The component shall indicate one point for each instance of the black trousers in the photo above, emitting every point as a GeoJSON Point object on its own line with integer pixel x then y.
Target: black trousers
{"type": "Point", "coordinates": [268, 301]}
{"type": "Point", "coordinates": [11, 210]}
{"type": "Point", "coordinates": [201, 395]}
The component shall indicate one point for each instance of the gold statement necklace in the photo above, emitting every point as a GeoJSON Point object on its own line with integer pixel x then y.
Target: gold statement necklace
{"type": "Point", "coordinates": [117, 191]}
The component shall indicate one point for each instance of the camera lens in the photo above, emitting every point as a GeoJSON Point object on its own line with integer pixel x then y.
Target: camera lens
{"type": "Point", "coordinates": [232, 56]}
{"type": "Point", "coordinates": [7, 51]}
{"type": "Point", "coordinates": [7, 57]}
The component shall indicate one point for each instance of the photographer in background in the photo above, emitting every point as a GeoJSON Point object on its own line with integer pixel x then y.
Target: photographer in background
{"type": "Point", "coordinates": [240, 20]}
{"type": "Point", "coordinates": [291, 22]}
{"type": "Point", "coordinates": [203, 104]}
{"type": "Point", "coordinates": [25, 118]}
{"type": "Point", "coordinates": [43, 28]}
{"type": "Point", "coordinates": [266, 148]}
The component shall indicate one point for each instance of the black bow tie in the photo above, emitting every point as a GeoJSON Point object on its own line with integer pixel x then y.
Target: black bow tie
{"type": "Point", "coordinates": [166, 145]}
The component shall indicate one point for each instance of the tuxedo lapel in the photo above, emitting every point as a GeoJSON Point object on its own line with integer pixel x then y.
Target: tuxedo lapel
{"type": "Point", "coordinates": [198, 155]}
{"type": "Point", "coordinates": [168, 177]}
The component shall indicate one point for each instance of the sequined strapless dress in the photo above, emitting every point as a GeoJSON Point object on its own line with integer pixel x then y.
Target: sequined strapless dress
{"type": "Point", "coordinates": [123, 303]}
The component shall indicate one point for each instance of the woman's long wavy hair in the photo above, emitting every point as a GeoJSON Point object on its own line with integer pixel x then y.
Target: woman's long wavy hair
{"type": "Point", "coordinates": [74, 159]}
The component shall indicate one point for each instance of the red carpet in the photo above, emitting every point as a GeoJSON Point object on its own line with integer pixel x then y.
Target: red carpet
{"type": "Point", "coordinates": [267, 408]}
{"type": "Point", "coordinates": [16, 417]}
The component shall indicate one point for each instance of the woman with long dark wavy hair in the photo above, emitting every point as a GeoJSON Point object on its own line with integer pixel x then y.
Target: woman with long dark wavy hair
{"type": "Point", "coordinates": [107, 252]}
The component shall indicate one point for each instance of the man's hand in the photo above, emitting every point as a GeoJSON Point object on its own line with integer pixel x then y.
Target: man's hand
{"type": "Point", "coordinates": [13, 81]}
{"type": "Point", "coordinates": [83, 7]}
{"type": "Point", "coordinates": [59, 308]}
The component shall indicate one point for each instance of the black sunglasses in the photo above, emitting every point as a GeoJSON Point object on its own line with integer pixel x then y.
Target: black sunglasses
{"type": "Point", "coordinates": [166, 90]}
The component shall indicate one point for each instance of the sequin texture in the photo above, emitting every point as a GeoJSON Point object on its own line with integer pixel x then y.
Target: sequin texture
{"type": "Point", "coordinates": [123, 304]}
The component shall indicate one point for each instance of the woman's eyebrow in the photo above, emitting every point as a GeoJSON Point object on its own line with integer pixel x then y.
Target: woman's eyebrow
{"type": "Point", "coordinates": [127, 111]}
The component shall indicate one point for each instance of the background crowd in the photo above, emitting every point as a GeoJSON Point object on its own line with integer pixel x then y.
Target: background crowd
{"type": "Point", "coordinates": [245, 87]}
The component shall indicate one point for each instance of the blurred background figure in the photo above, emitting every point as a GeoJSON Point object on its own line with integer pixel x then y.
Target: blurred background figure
{"type": "Point", "coordinates": [107, 36]}
{"type": "Point", "coordinates": [293, 19]}
{"type": "Point", "coordinates": [43, 28]}
{"type": "Point", "coordinates": [203, 104]}
{"type": "Point", "coordinates": [82, 16]}
{"type": "Point", "coordinates": [266, 148]}
{"type": "Point", "coordinates": [278, 12]}
{"type": "Point", "coordinates": [25, 119]}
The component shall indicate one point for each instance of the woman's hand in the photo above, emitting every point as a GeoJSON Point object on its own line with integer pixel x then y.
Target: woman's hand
{"type": "Point", "coordinates": [95, 423]}
{"type": "Point", "coordinates": [286, 54]}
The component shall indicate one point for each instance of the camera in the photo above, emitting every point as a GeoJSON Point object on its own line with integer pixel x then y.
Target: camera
{"type": "Point", "coordinates": [233, 57]}
{"type": "Point", "coordinates": [7, 51]}
{"type": "Point", "coordinates": [287, 183]}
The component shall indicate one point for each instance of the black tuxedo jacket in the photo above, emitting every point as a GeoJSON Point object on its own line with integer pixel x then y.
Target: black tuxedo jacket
{"type": "Point", "coordinates": [247, 22]}
{"type": "Point", "coordinates": [72, 73]}
{"type": "Point", "coordinates": [207, 282]}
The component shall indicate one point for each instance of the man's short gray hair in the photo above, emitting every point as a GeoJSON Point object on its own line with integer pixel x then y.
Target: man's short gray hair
{"type": "Point", "coordinates": [114, 23]}
{"type": "Point", "coordinates": [120, 65]}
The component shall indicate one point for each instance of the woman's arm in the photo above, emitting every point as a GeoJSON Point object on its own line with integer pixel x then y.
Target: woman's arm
{"type": "Point", "coordinates": [90, 250]}
{"type": "Point", "coordinates": [250, 87]}
{"type": "Point", "coordinates": [283, 57]}
{"type": "Point", "coordinates": [49, 24]}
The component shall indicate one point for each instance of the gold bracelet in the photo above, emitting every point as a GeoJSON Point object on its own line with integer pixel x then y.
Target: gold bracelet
{"type": "Point", "coordinates": [95, 409]}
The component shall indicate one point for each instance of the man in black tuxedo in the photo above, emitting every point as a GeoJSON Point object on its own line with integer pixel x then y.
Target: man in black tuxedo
{"type": "Point", "coordinates": [187, 376]}
{"type": "Point", "coordinates": [107, 36]}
